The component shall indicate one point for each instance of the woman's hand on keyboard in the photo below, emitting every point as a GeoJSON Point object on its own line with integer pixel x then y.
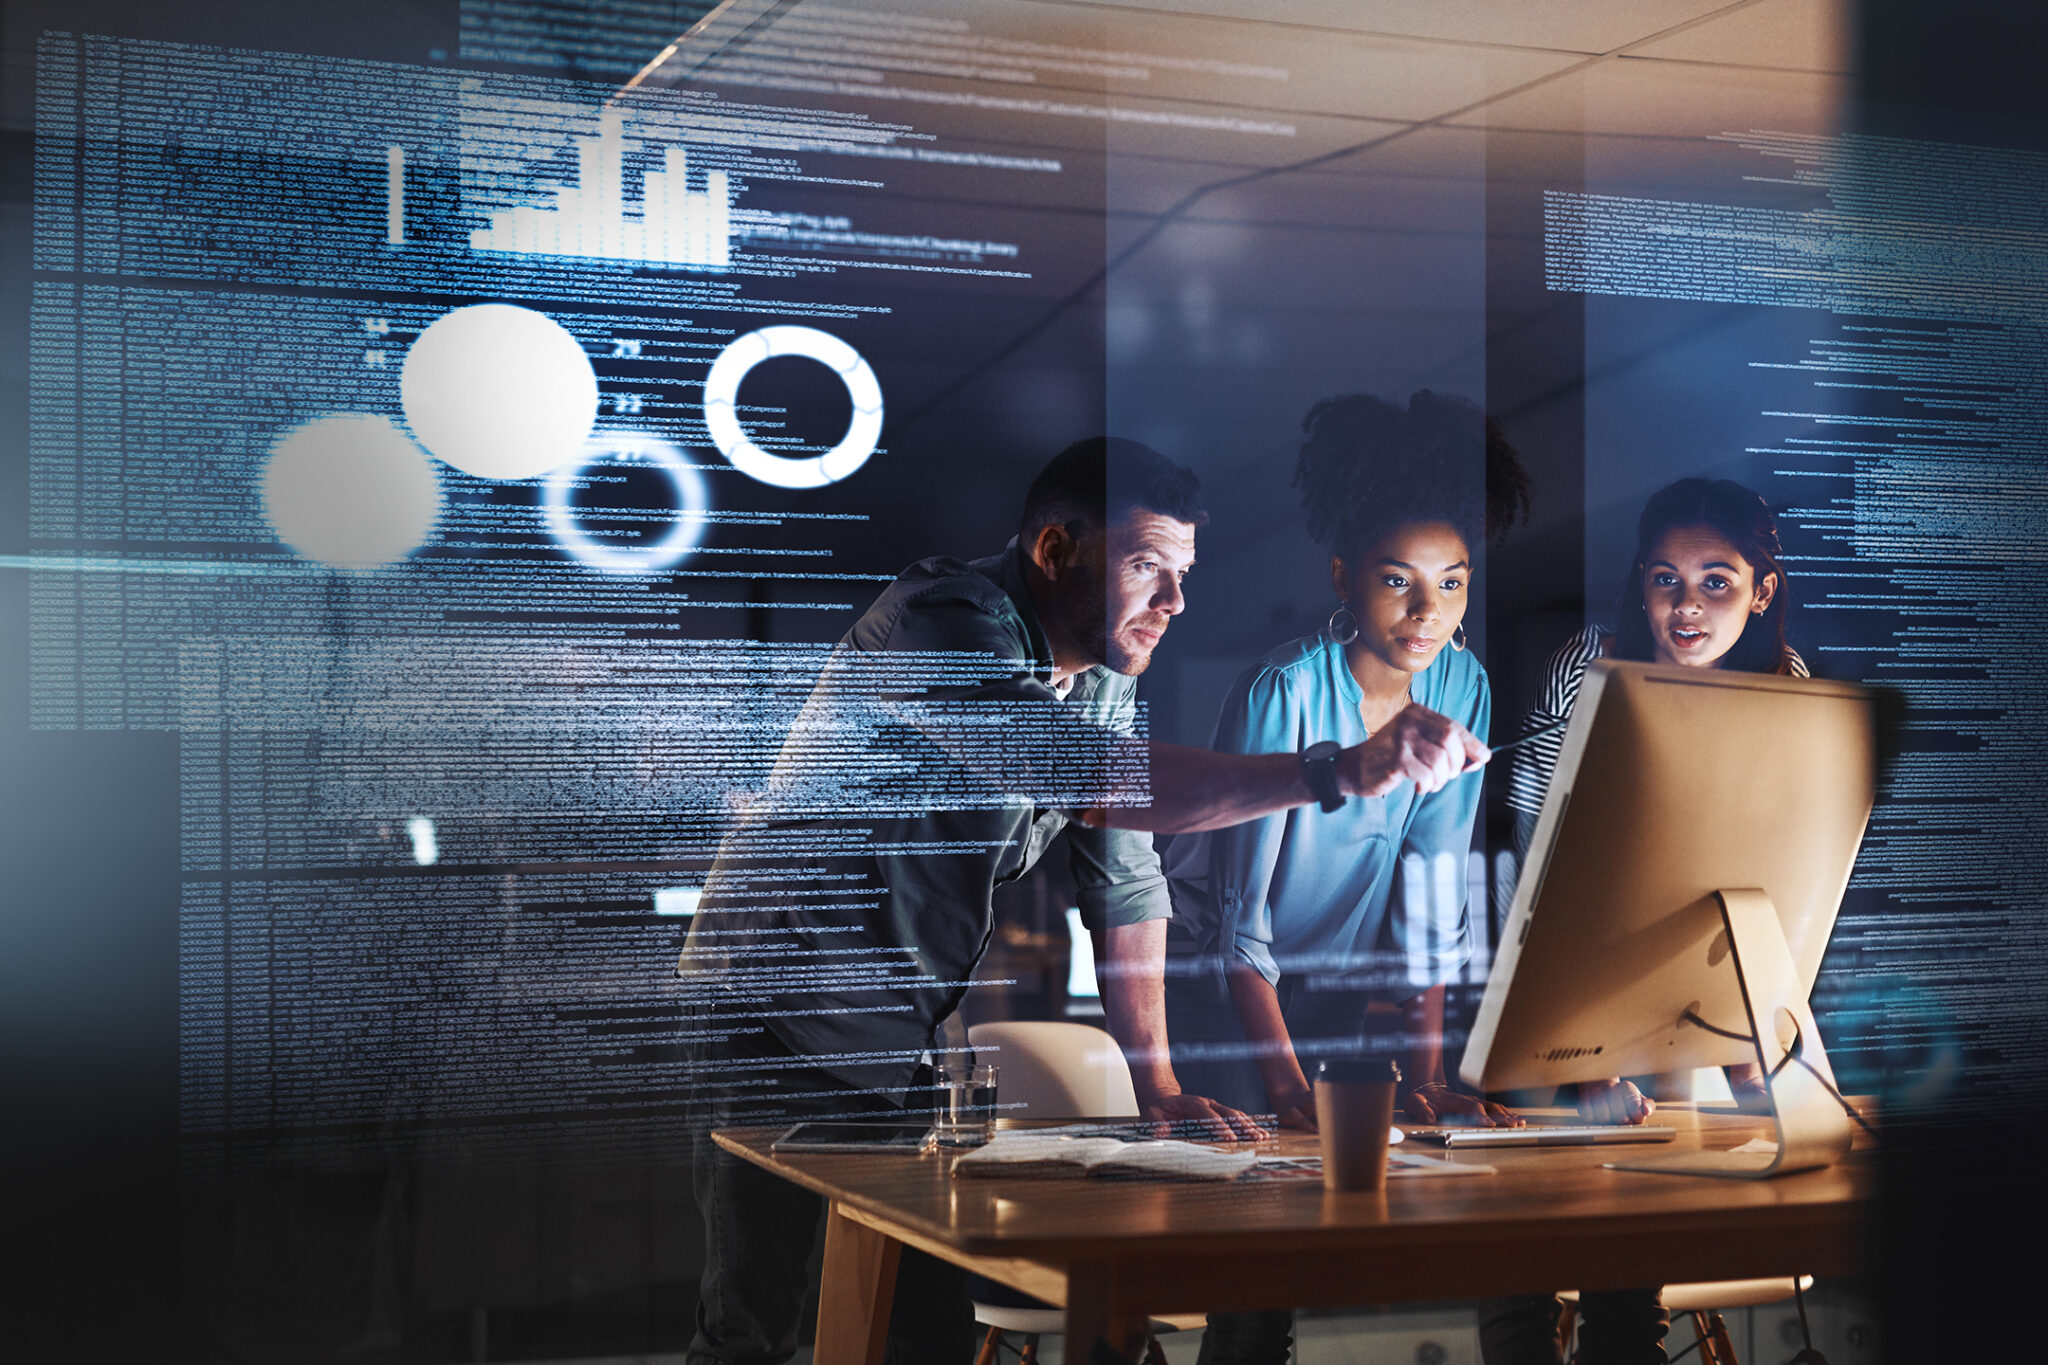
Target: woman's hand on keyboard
{"type": "Point", "coordinates": [1615, 1101]}
{"type": "Point", "coordinates": [1437, 1102]}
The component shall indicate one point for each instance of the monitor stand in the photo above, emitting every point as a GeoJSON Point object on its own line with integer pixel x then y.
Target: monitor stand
{"type": "Point", "coordinates": [1813, 1131]}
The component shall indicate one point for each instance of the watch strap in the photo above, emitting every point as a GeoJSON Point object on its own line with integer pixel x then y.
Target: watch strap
{"type": "Point", "coordinates": [1319, 769]}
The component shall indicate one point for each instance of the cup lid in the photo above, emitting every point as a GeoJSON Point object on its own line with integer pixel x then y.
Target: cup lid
{"type": "Point", "coordinates": [1359, 1070]}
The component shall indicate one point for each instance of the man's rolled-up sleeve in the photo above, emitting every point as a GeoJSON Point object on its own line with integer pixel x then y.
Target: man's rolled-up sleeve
{"type": "Point", "coordinates": [1118, 877]}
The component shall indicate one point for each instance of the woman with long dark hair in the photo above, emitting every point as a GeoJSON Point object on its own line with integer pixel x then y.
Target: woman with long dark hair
{"type": "Point", "coordinates": [1705, 589]}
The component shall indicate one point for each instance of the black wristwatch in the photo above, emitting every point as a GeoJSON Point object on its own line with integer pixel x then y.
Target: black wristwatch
{"type": "Point", "coordinates": [1319, 767]}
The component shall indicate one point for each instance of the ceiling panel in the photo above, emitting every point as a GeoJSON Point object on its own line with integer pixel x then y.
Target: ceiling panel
{"type": "Point", "coordinates": [1561, 25]}
{"type": "Point", "coordinates": [1662, 99]}
{"type": "Point", "coordinates": [1344, 74]}
{"type": "Point", "coordinates": [1803, 35]}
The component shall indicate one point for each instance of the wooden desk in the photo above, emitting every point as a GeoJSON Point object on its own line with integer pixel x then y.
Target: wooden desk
{"type": "Point", "coordinates": [1113, 1252]}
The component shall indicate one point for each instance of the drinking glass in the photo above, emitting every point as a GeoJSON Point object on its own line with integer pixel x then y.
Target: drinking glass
{"type": "Point", "coordinates": [966, 1103]}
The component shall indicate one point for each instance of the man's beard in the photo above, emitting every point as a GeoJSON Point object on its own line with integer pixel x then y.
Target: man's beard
{"type": "Point", "coordinates": [1088, 621]}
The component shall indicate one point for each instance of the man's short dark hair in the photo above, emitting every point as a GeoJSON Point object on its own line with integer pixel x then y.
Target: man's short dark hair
{"type": "Point", "coordinates": [1096, 481]}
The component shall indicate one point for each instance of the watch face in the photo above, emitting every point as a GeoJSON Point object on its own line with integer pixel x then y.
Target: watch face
{"type": "Point", "coordinates": [1316, 753]}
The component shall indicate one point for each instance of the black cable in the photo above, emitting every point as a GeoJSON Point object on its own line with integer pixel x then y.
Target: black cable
{"type": "Point", "coordinates": [1694, 1019]}
{"type": "Point", "coordinates": [1697, 1342]}
{"type": "Point", "coordinates": [1791, 1055]}
{"type": "Point", "coordinates": [1847, 1107]}
{"type": "Point", "coordinates": [1808, 1356]}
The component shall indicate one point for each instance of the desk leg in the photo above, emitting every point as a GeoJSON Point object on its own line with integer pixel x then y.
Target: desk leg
{"type": "Point", "coordinates": [1113, 1330]}
{"type": "Point", "coordinates": [853, 1301]}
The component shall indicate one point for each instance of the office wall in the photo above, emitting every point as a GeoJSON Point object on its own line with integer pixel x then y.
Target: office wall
{"type": "Point", "coordinates": [348, 834]}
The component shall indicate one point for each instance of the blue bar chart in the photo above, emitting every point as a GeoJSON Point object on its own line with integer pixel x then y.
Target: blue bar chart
{"type": "Point", "coordinates": [675, 226]}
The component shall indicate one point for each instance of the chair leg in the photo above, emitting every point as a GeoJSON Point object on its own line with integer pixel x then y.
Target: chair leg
{"type": "Point", "coordinates": [1030, 1354]}
{"type": "Point", "coordinates": [987, 1354]}
{"type": "Point", "coordinates": [1717, 1347]}
{"type": "Point", "coordinates": [1724, 1344]}
{"type": "Point", "coordinates": [1567, 1323]}
{"type": "Point", "coordinates": [1155, 1354]}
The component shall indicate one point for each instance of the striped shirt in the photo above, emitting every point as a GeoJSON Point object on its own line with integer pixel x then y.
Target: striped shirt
{"type": "Point", "coordinates": [1536, 764]}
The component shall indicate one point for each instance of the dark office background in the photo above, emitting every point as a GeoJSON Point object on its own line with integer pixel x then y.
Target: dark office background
{"type": "Point", "coordinates": [1419, 264]}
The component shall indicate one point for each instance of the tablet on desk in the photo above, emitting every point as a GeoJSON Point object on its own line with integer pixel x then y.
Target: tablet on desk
{"type": "Point", "coordinates": [850, 1136]}
{"type": "Point", "coordinates": [1541, 1134]}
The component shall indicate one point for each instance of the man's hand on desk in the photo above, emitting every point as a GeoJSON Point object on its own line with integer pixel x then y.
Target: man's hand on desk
{"type": "Point", "coordinates": [1752, 1093]}
{"type": "Point", "coordinates": [1436, 1102]}
{"type": "Point", "coordinates": [1615, 1101]}
{"type": "Point", "coordinates": [1296, 1109]}
{"type": "Point", "coordinates": [1223, 1123]}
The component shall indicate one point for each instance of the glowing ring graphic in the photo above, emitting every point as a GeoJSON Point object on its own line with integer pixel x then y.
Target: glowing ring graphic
{"type": "Point", "coordinates": [629, 447]}
{"type": "Point", "coordinates": [721, 398]}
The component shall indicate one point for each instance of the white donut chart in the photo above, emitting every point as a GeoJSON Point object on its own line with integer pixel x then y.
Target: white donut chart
{"type": "Point", "coordinates": [721, 400]}
{"type": "Point", "coordinates": [629, 447]}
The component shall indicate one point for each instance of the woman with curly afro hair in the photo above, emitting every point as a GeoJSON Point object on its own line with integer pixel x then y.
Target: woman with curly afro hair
{"type": "Point", "coordinates": [1303, 920]}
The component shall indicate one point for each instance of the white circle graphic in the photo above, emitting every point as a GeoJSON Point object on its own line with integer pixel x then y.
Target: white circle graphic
{"type": "Point", "coordinates": [353, 491]}
{"type": "Point", "coordinates": [721, 415]}
{"type": "Point", "coordinates": [629, 447]}
{"type": "Point", "coordinates": [499, 391]}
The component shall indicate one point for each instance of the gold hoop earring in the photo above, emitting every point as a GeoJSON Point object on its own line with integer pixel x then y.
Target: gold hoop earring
{"type": "Point", "coordinates": [1343, 626]}
{"type": "Point", "coordinates": [1458, 638]}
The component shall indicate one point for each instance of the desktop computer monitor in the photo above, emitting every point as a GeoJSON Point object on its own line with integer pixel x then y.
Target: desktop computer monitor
{"type": "Point", "coordinates": [1679, 891]}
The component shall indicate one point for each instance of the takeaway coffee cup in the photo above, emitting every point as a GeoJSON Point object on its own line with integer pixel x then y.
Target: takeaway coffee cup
{"type": "Point", "coordinates": [1354, 1116]}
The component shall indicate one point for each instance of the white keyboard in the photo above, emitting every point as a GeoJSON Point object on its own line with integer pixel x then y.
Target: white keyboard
{"type": "Point", "coordinates": [1540, 1134]}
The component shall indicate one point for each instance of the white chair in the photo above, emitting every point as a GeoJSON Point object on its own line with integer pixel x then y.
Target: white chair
{"type": "Point", "coordinates": [1049, 1069]}
{"type": "Point", "coordinates": [1056, 1070]}
{"type": "Point", "coordinates": [1703, 1299]}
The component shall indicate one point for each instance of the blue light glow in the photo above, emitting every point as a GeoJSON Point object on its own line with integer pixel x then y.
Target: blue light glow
{"type": "Point", "coordinates": [622, 448]}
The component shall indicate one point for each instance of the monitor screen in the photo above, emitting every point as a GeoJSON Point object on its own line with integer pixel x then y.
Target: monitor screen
{"type": "Point", "coordinates": [1674, 784]}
